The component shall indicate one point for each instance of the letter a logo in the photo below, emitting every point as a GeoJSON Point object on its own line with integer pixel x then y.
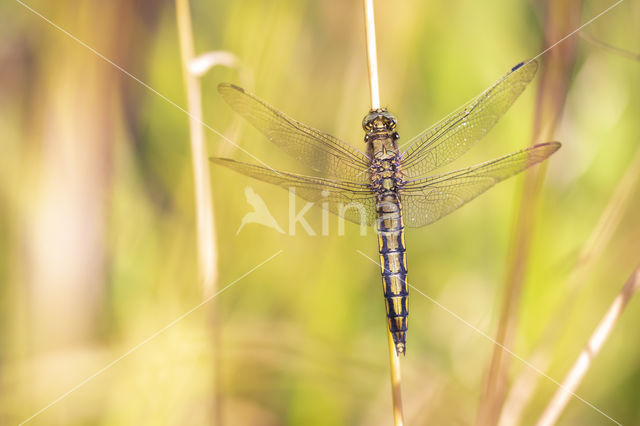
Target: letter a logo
{"type": "Point", "coordinates": [260, 213]}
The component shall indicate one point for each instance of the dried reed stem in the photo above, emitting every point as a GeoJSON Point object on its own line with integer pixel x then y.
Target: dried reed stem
{"type": "Point", "coordinates": [396, 382]}
{"type": "Point", "coordinates": [207, 251]}
{"type": "Point", "coordinates": [372, 63]}
{"type": "Point", "coordinates": [206, 236]}
{"type": "Point", "coordinates": [601, 333]}
{"type": "Point", "coordinates": [372, 56]}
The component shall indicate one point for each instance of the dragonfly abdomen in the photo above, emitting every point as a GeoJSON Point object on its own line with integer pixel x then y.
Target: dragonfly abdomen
{"type": "Point", "coordinates": [393, 261]}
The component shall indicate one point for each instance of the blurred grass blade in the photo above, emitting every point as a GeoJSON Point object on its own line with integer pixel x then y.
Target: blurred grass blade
{"type": "Point", "coordinates": [583, 362]}
{"type": "Point", "coordinates": [609, 47]}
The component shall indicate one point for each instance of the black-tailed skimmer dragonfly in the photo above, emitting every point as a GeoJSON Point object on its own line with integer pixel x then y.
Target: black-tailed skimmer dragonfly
{"type": "Point", "coordinates": [384, 185]}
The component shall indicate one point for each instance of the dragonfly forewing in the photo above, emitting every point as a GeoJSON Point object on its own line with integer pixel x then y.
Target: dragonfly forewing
{"type": "Point", "coordinates": [319, 151]}
{"type": "Point", "coordinates": [455, 134]}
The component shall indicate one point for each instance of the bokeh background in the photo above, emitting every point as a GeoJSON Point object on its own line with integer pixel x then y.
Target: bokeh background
{"type": "Point", "coordinates": [98, 236]}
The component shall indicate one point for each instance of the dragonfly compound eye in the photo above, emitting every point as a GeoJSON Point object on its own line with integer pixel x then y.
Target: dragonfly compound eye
{"type": "Point", "coordinates": [389, 120]}
{"type": "Point", "coordinates": [368, 120]}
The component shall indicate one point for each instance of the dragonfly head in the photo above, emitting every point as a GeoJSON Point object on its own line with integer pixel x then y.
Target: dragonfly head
{"type": "Point", "coordinates": [379, 120]}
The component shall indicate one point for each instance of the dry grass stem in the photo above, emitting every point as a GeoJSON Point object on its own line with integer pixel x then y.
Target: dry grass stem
{"type": "Point", "coordinates": [206, 236]}
{"type": "Point", "coordinates": [207, 252]}
{"type": "Point", "coordinates": [585, 359]}
{"type": "Point", "coordinates": [372, 62]}
{"type": "Point", "coordinates": [396, 382]}
{"type": "Point", "coordinates": [372, 56]}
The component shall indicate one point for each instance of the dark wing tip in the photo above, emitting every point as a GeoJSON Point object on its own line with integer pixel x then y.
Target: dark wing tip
{"type": "Point", "coordinates": [523, 63]}
{"type": "Point", "coordinates": [542, 151]}
{"type": "Point", "coordinates": [222, 87]}
{"type": "Point", "coordinates": [515, 67]}
{"type": "Point", "coordinates": [529, 67]}
{"type": "Point", "coordinates": [221, 160]}
{"type": "Point", "coordinates": [552, 146]}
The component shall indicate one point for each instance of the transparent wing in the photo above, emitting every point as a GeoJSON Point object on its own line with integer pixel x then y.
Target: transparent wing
{"type": "Point", "coordinates": [456, 133]}
{"type": "Point", "coordinates": [321, 152]}
{"type": "Point", "coordinates": [426, 200]}
{"type": "Point", "coordinates": [355, 202]}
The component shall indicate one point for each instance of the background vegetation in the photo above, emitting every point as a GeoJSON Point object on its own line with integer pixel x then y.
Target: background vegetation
{"type": "Point", "coordinates": [98, 243]}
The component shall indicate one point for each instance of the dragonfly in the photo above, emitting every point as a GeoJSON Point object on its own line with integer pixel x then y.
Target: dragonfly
{"type": "Point", "coordinates": [384, 186]}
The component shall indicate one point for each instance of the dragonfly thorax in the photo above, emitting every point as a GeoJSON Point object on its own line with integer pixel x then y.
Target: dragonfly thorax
{"type": "Point", "coordinates": [381, 135]}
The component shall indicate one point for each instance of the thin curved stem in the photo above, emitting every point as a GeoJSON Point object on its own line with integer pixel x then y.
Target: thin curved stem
{"type": "Point", "coordinates": [585, 359]}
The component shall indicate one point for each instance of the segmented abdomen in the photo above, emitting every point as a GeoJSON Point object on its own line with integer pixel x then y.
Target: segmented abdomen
{"type": "Point", "coordinates": [393, 260]}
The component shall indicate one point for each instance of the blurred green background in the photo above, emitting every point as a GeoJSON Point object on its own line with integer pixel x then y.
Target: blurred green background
{"type": "Point", "coordinates": [98, 236]}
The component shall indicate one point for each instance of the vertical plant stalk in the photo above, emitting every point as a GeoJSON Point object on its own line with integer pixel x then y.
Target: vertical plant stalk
{"type": "Point", "coordinates": [372, 64]}
{"type": "Point", "coordinates": [585, 359]}
{"type": "Point", "coordinates": [372, 55]}
{"type": "Point", "coordinates": [396, 381]}
{"type": "Point", "coordinates": [561, 18]}
{"type": "Point", "coordinates": [207, 252]}
{"type": "Point", "coordinates": [206, 236]}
